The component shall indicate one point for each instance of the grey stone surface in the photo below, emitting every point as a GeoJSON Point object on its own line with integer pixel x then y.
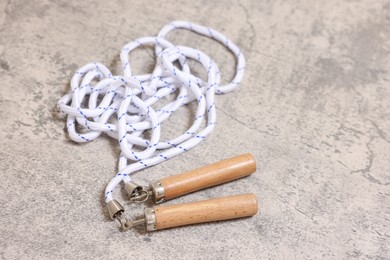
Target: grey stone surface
{"type": "Point", "coordinates": [314, 110]}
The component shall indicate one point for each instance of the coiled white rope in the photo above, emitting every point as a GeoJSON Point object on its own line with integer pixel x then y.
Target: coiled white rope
{"type": "Point", "coordinates": [122, 106]}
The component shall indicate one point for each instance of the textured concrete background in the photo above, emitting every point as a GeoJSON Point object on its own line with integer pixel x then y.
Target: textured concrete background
{"type": "Point", "coordinates": [314, 110]}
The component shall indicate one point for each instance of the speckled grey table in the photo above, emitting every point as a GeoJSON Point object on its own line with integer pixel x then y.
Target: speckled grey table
{"type": "Point", "coordinates": [314, 109]}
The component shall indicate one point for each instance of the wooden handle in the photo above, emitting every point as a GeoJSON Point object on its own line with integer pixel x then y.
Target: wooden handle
{"type": "Point", "coordinates": [231, 207]}
{"type": "Point", "coordinates": [207, 176]}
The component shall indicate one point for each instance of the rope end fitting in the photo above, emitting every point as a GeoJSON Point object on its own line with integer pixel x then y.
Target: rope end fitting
{"type": "Point", "coordinates": [115, 210]}
{"type": "Point", "coordinates": [137, 192]}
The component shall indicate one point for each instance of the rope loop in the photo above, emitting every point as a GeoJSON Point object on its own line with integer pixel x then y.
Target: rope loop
{"type": "Point", "coordinates": [125, 106]}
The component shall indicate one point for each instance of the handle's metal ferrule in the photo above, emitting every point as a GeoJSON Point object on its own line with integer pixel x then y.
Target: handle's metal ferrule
{"type": "Point", "coordinates": [158, 191]}
{"type": "Point", "coordinates": [150, 219]}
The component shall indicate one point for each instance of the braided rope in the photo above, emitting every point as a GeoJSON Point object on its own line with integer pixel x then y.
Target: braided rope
{"type": "Point", "coordinates": [122, 106]}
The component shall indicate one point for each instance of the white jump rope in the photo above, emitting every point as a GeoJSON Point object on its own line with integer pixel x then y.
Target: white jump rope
{"type": "Point", "coordinates": [122, 106]}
